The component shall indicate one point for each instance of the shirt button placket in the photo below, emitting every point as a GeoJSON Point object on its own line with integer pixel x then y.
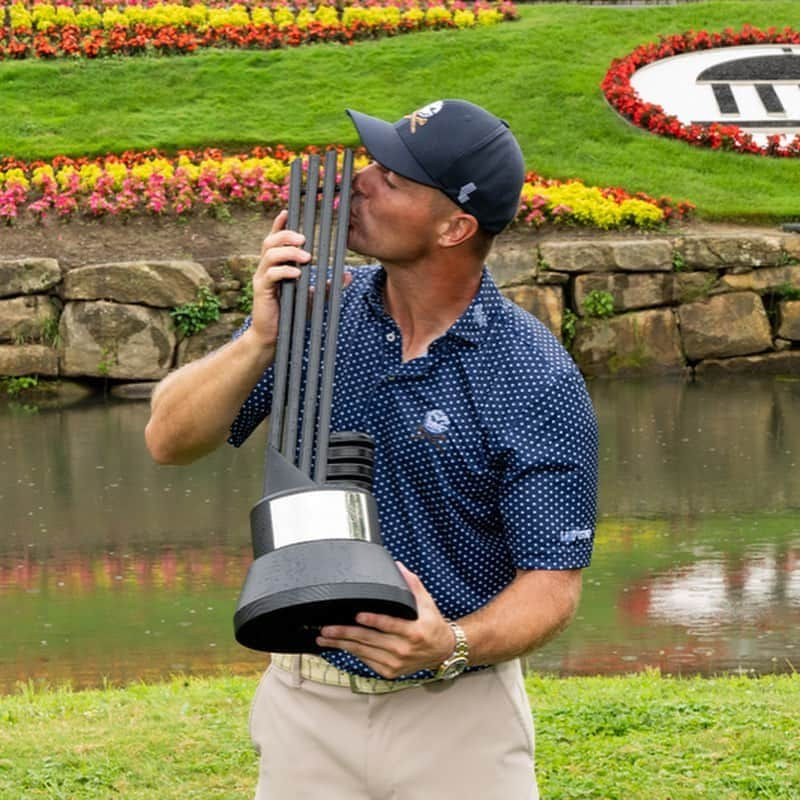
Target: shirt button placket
{"type": "Point", "coordinates": [393, 340]}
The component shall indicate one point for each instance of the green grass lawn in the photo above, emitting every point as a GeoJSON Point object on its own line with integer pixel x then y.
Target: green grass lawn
{"type": "Point", "coordinates": [541, 73]}
{"type": "Point", "coordinates": [643, 737]}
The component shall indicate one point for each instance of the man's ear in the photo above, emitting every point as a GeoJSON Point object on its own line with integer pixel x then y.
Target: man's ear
{"type": "Point", "coordinates": [458, 228]}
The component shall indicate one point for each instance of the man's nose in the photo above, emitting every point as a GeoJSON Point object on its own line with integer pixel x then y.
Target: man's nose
{"type": "Point", "coordinates": [362, 177]}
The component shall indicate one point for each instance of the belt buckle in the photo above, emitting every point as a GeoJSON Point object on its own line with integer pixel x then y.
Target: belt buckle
{"type": "Point", "coordinates": [381, 686]}
{"type": "Point", "coordinates": [354, 687]}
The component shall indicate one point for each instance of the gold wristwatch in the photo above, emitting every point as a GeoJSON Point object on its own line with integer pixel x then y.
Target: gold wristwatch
{"type": "Point", "coordinates": [458, 660]}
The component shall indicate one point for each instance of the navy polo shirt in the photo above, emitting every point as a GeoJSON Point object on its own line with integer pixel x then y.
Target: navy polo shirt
{"type": "Point", "coordinates": [485, 447]}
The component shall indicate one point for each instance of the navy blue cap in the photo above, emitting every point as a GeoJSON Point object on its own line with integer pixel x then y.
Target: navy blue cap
{"type": "Point", "coordinates": [457, 147]}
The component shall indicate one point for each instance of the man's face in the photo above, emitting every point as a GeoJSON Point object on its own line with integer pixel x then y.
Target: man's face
{"type": "Point", "coordinates": [392, 218]}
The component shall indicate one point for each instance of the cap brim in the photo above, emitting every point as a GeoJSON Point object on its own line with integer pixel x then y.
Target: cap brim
{"type": "Point", "coordinates": [384, 144]}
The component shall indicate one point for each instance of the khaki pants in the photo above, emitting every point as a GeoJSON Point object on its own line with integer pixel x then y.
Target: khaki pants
{"type": "Point", "coordinates": [469, 738]}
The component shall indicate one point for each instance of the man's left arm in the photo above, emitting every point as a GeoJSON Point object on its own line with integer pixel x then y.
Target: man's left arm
{"type": "Point", "coordinates": [530, 611]}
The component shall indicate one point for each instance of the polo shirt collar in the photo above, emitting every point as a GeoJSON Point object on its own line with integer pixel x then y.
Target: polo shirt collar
{"type": "Point", "coordinates": [470, 327]}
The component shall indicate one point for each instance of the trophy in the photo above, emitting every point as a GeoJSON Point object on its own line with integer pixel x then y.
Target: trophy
{"type": "Point", "coordinates": [318, 554]}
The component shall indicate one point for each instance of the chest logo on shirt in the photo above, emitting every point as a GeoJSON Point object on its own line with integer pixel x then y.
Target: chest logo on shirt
{"type": "Point", "coordinates": [434, 427]}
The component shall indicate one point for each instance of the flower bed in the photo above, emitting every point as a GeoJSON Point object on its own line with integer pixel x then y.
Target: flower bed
{"type": "Point", "coordinates": [572, 202]}
{"type": "Point", "coordinates": [623, 97]}
{"type": "Point", "coordinates": [46, 30]}
{"type": "Point", "coordinates": [152, 183]}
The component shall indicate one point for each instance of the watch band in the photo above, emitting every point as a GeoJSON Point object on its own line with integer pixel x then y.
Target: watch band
{"type": "Point", "coordinates": [458, 660]}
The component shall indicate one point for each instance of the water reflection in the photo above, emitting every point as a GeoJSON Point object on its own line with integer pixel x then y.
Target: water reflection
{"type": "Point", "coordinates": [677, 448]}
{"type": "Point", "coordinates": [111, 566]}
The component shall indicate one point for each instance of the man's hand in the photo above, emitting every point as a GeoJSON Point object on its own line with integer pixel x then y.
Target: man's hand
{"type": "Point", "coordinates": [279, 251]}
{"type": "Point", "coordinates": [393, 646]}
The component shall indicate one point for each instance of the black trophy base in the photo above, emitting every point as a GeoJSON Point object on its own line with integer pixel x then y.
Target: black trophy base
{"type": "Point", "coordinates": [291, 592]}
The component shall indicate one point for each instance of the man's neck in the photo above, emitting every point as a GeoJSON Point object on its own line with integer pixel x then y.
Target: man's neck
{"type": "Point", "coordinates": [426, 300]}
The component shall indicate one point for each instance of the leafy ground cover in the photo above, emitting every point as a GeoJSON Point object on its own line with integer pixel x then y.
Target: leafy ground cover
{"type": "Point", "coordinates": [542, 73]}
{"type": "Point", "coordinates": [641, 737]}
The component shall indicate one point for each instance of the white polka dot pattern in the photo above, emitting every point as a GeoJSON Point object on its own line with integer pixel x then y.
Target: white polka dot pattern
{"type": "Point", "coordinates": [486, 447]}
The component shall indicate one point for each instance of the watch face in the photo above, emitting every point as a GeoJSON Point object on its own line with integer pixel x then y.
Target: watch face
{"type": "Point", "coordinates": [455, 667]}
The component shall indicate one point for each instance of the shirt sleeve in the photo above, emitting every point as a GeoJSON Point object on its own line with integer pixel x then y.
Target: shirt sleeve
{"type": "Point", "coordinates": [548, 496]}
{"type": "Point", "coordinates": [257, 406]}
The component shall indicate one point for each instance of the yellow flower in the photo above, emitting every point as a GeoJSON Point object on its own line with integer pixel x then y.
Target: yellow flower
{"type": "Point", "coordinates": [197, 15]}
{"type": "Point", "coordinates": [89, 173]}
{"type": "Point", "coordinates": [44, 16]}
{"type": "Point", "coordinates": [159, 166]}
{"type": "Point", "coordinates": [192, 170]}
{"type": "Point", "coordinates": [464, 19]}
{"type": "Point", "coordinates": [354, 14]}
{"type": "Point", "coordinates": [437, 14]}
{"type": "Point", "coordinates": [261, 16]}
{"type": "Point", "coordinates": [112, 17]}
{"type": "Point", "coordinates": [413, 15]}
{"type": "Point", "coordinates": [283, 17]}
{"type": "Point", "coordinates": [327, 15]}
{"type": "Point", "coordinates": [88, 18]}
{"type": "Point", "coordinates": [275, 170]}
{"type": "Point", "coordinates": [118, 172]}
{"type": "Point", "coordinates": [40, 172]}
{"type": "Point", "coordinates": [489, 16]}
{"type": "Point", "coordinates": [641, 213]}
{"type": "Point", "coordinates": [16, 177]}
{"type": "Point", "coordinates": [65, 16]}
{"type": "Point", "coordinates": [304, 19]}
{"type": "Point", "coordinates": [64, 174]}
{"type": "Point", "coordinates": [19, 16]}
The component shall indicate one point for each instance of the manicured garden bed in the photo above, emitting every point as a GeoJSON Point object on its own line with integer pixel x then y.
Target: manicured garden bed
{"type": "Point", "coordinates": [652, 117]}
{"type": "Point", "coordinates": [137, 27]}
{"type": "Point", "coordinates": [152, 183]}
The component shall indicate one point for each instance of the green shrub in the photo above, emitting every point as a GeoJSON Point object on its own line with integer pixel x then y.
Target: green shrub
{"type": "Point", "coordinates": [598, 304]}
{"type": "Point", "coordinates": [246, 297]}
{"type": "Point", "coordinates": [788, 292]}
{"type": "Point", "coordinates": [50, 335]}
{"type": "Point", "coordinates": [191, 318]}
{"type": "Point", "coordinates": [678, 261]}
{"type": "Point", "coordinates": [12, 386]}
{"type": "Point", "coordinates": [568, 327]}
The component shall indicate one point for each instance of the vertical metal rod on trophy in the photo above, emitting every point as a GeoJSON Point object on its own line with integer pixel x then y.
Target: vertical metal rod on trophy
{"type": "Point", "coordinates": [281, 364]}
{"type": "Point", "coordinates": [310, 405]}
{"type": "Point", "coordinates": [300, 315]}
{"type": "Point", "coordinates": [334, 300]}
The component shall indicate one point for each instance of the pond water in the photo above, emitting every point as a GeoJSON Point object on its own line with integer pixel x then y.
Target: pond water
{"type": "Point", "coordinates": [115, 569]}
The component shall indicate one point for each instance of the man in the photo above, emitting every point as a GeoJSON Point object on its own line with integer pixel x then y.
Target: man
{"type": "Point", "coordinates": [485, 477]}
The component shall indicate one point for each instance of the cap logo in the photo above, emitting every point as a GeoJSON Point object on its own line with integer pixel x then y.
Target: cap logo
{"type": "Point", "coordinates": [466, 190]}
{"type": "Point", "coordinates": [422, 115]}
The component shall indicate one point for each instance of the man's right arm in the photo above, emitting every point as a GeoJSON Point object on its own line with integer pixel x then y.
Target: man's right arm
{"type": "Point", "coordinates": [192, 409]}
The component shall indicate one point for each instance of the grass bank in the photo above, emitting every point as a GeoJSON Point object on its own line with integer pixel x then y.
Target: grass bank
{"type": "Point", "coordinates": [643, 737]}
{"type": "Point", "coordinates": [542, 73]}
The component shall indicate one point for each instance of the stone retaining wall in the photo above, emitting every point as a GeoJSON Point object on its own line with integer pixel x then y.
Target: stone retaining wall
{"type": "Point", "coordinates": [692, 305]}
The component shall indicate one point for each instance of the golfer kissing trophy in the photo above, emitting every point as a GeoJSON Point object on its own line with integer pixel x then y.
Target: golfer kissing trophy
{"type": "Point", "coordinates": [318, 556]}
